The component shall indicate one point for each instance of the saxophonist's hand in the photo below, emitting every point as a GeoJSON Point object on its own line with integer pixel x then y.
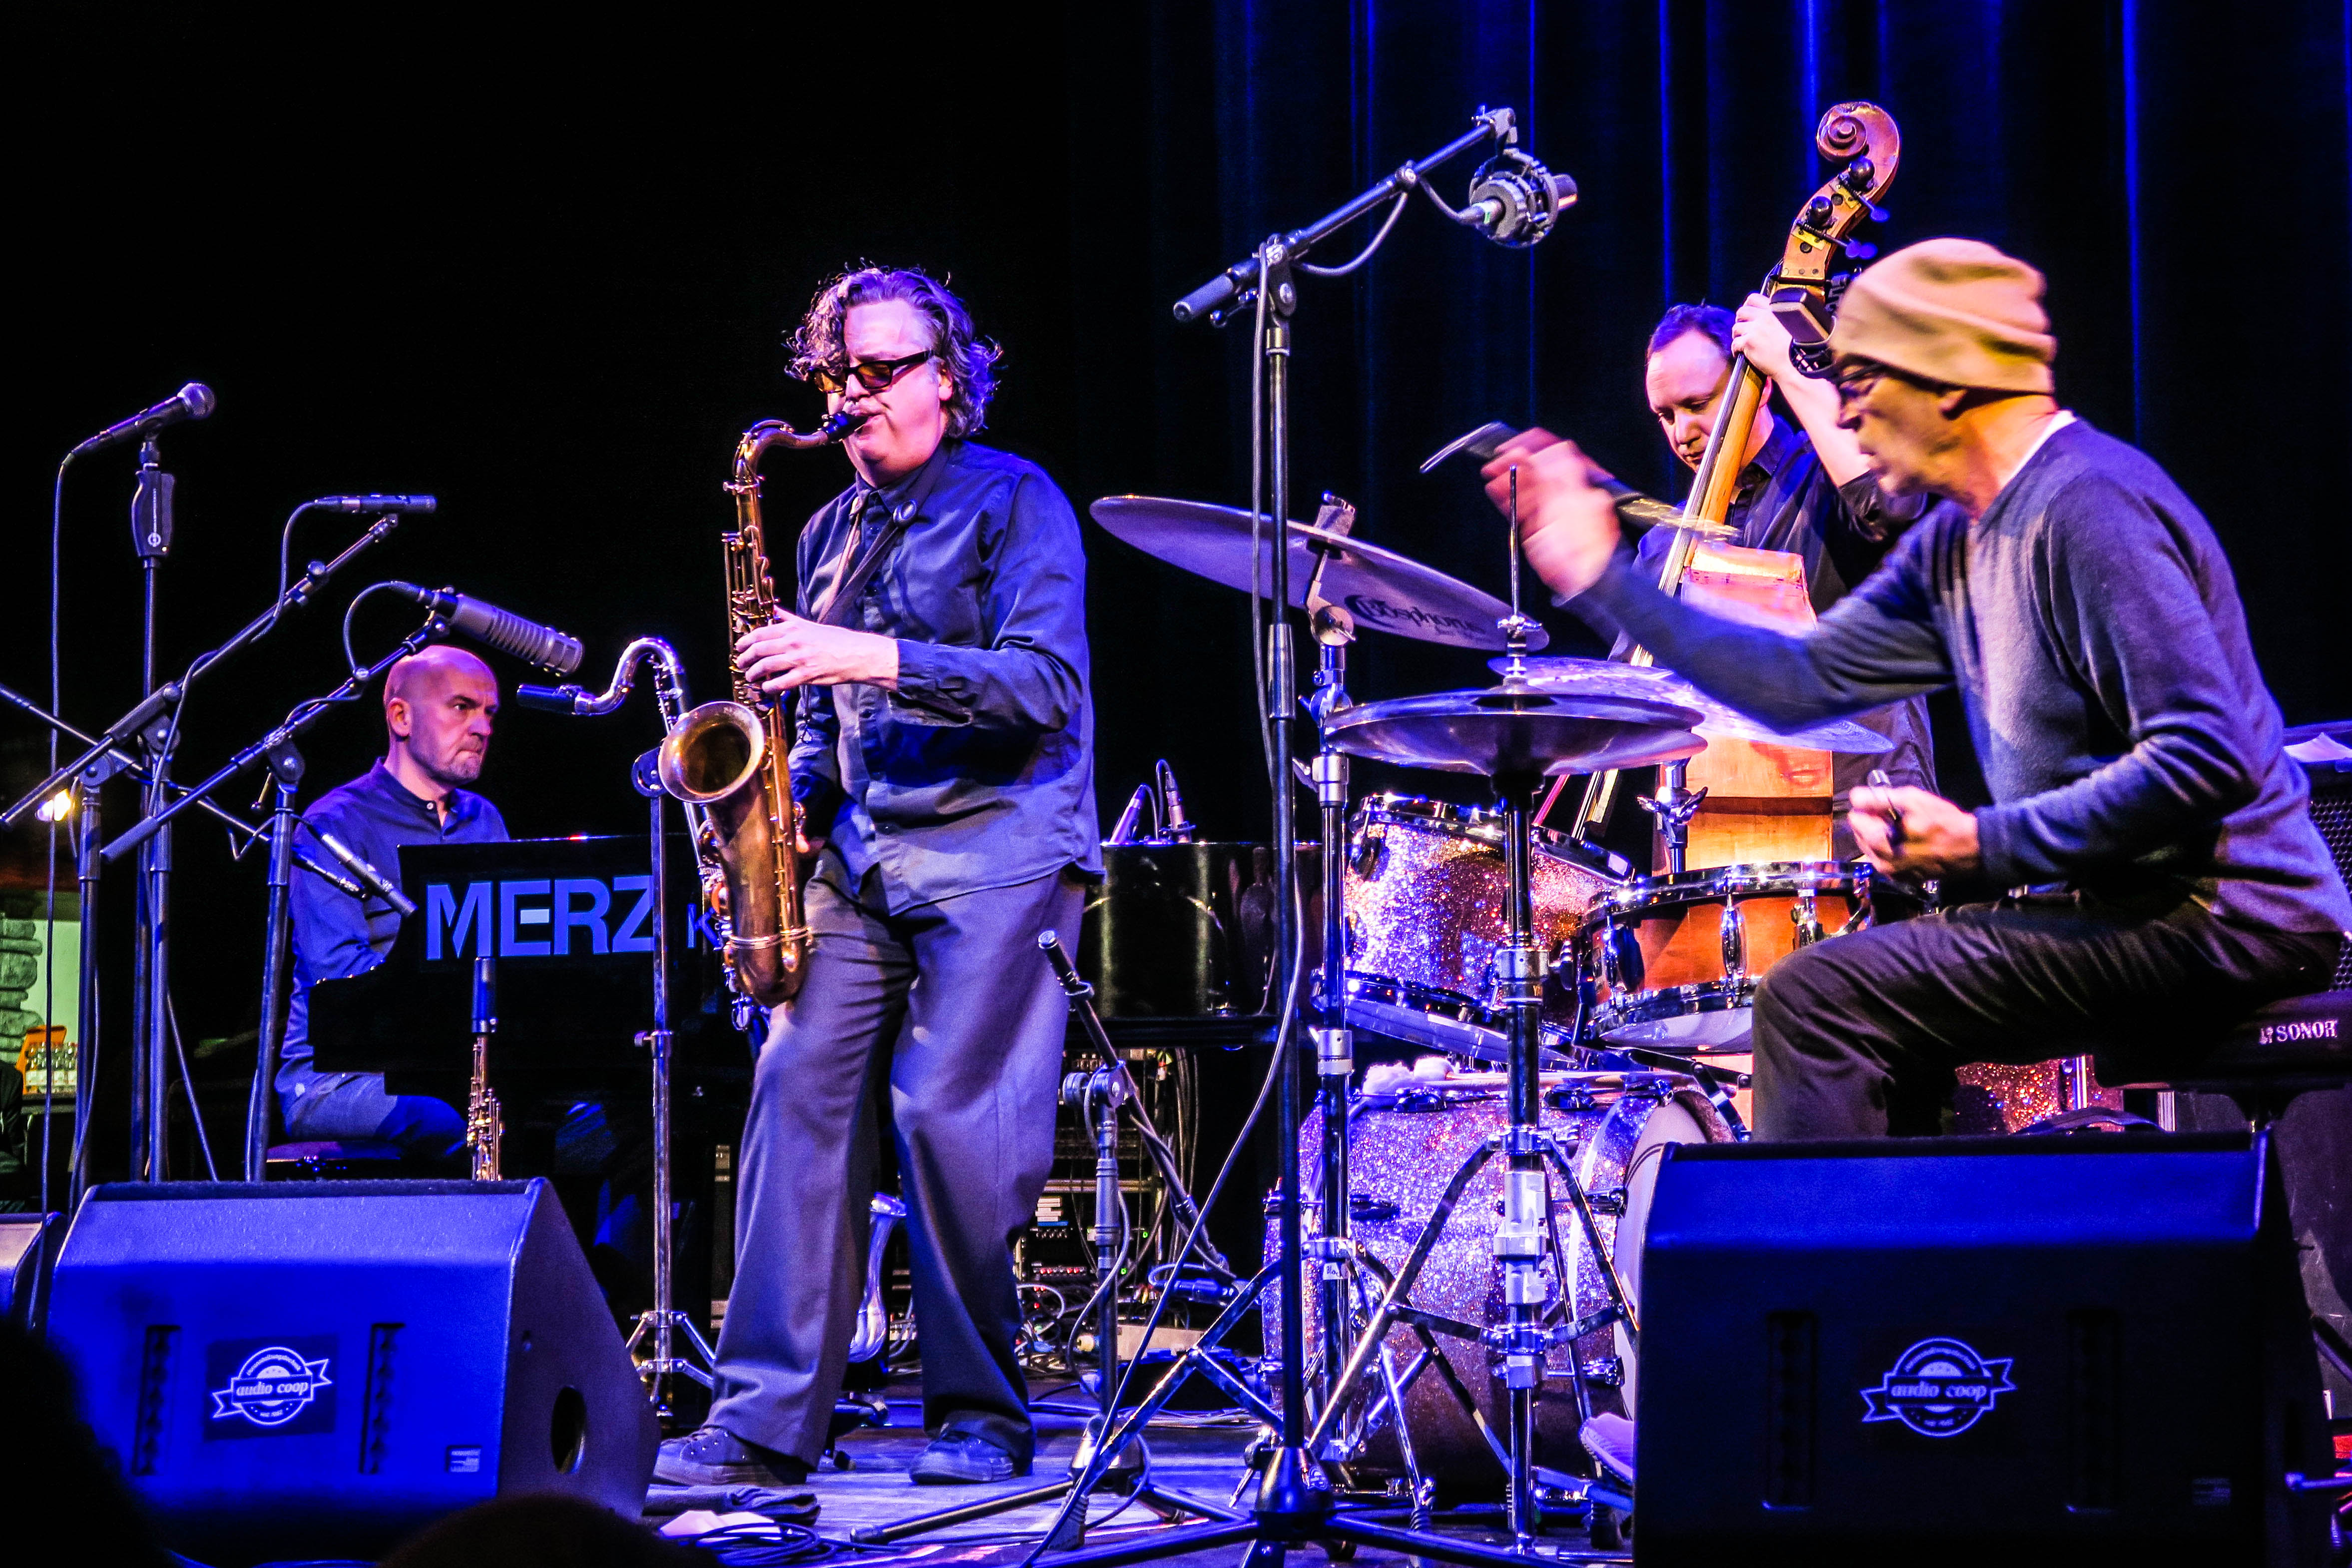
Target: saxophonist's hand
{"type": "Point", "coordinates": [793, 652]}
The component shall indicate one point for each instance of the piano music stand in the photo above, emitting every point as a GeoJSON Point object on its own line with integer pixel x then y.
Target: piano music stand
{"type": "Point", "coordinates": [658, 1361]}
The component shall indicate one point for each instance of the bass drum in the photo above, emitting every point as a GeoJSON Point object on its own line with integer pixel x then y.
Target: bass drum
{"type": "Point", "coordinates": [1403, 1150]}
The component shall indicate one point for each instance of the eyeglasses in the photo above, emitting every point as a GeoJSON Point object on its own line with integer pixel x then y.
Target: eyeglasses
{"type": "Point", "coordinates": [1858, 381]}
{"type": "Point", "coordinates": [874, 375]}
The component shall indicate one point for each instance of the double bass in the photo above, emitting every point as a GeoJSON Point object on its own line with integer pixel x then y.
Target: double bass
{"type": "Point", "coordinates": [1759, 803]}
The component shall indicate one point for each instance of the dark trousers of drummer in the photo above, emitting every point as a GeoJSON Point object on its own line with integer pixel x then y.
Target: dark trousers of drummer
{"type": "Point", "coordinates": [1858, 1036]}
{"type": "Point", "coordinates": [951, 1010]}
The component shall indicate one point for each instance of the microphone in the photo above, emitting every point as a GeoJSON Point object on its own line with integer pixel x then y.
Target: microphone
{"type": "Point", "coordinates": [485, 623]}
{"type": "Point", "coordinates": [1129, 828]}
{"type": "Point", "coordinates": [1514, 200]}
{"type": "Point", "coordinates": [376, 882]}
{"type": "Point", "coordinates": [1177, 827]}
{"type": "Point", "coordinates": [193, 401]}
{"type": "Point", "coordinates": [375, 503]}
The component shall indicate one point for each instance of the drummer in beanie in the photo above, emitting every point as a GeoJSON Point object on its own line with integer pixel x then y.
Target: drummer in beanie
{"type": "Point", "coordinates": [2157, 872]}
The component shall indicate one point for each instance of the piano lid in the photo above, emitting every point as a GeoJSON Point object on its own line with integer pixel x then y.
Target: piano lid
{"type": "Point", "coordinates": [571, 922]}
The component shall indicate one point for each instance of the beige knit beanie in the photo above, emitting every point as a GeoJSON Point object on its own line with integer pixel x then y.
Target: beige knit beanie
{"type": "Point", "coordinates": [1953, 310]}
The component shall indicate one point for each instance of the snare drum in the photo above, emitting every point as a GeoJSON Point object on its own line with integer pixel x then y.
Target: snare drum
{"type": "Point", "coordinates": [1673, 961]}
{"type": "Point", "coordinates": [1402, 1151]}
{"type": "Point", "coordinates": [1427, 903]}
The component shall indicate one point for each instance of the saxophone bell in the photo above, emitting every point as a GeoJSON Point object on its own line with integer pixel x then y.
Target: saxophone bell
{"type": "Point", "coordinates": [712, 753]}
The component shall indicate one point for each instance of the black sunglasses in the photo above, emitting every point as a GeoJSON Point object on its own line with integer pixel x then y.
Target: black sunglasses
{"type": "Point", "coordinates": [874, 375]}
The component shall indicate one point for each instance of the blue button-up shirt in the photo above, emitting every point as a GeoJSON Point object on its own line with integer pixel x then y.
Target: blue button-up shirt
{"type": "Point", "coordinates": [337, 935]}
{"type": "Point", "coordinates": [978, 771]}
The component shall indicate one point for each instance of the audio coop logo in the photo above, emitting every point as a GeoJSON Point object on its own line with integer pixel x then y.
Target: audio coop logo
{"type": "Point", "coordinates": [1938, 1388]}
{"type": "Point", "coordinates": [270, 1387]}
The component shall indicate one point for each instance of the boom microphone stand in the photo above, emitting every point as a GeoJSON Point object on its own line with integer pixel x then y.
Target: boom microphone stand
{"type": "Point", "coordinates": [1515, 200]}
{"type": "Point", "coordinates": [103, 759]}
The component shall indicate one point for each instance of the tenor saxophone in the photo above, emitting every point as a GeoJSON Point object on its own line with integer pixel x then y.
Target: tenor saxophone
{"type": "Point", "coordinates": [732, 759]}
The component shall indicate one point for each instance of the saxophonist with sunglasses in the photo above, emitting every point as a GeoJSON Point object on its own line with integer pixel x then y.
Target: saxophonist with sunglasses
{"type": "Point", "coordinates": [943, 763]}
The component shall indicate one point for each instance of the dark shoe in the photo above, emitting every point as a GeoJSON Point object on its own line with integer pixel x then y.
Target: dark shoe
{"type": "Point", "coordinates": [714, 1456]}
{"type": "Point", "coordinates": [962, 1460]}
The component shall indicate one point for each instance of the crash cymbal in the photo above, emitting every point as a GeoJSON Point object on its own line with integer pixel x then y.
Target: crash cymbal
{"type": "Point", "coordinates": [1382, 590]}
{"type": "Point", "coordinates": [1718, 721]}
{"type": "Point", "coordinates": [1516, 729]}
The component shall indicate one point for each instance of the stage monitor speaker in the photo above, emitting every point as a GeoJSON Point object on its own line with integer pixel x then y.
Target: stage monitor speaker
{"type": "Point", "coordinates": [2016, 1351]}
{"type": "Point", "coordinates": [310, 1369]}
{"type": "Point", "coordinates": [20, 1264]}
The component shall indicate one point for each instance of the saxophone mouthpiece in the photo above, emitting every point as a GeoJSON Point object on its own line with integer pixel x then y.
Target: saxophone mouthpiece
{"type": "Point", "coordinates": [842, 424]}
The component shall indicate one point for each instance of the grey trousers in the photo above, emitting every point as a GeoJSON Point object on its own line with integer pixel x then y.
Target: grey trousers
{"type": "Point", "coordinates": [1858, 1036]}
{"type": "Point", "coordinates": [952, 1011]}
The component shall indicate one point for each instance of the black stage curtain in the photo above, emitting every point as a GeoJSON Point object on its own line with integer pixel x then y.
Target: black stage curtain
{"type": "Point", "coordinates": [545, 275]}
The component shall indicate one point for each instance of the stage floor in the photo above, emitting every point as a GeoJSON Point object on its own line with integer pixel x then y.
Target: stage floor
{"type": "Point", "coordinates": [1191, 1460]}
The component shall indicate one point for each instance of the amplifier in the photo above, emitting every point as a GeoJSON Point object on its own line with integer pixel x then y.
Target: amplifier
{"type": "Point", "coordinates": [2013, 1350]}
{"type": "Point", "coordinates": [324, 1368]}
{"type": "Point", "coordinates": [2331, 804]}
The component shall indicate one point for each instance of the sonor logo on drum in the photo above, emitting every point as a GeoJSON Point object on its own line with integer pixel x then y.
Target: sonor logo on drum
{"type": "Point", "coordinates": [1938, 1388]}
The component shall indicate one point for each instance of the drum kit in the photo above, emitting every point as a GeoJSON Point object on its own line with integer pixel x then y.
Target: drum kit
{"type": "Point", "coordinates": [1474, 1236]}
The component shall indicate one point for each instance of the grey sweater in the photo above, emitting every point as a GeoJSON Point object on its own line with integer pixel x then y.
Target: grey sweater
{"type": "Point", "coordinates": [2092, 627]}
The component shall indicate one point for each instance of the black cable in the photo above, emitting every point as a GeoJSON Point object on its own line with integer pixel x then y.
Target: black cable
{"type": "Point", "coordinates": [351, 662]}
{"type": "Point", "coordinates": [1275, 1068]}
{"type": "Point", "coordinates": [1396, 210]}
{"type": "Point", "coordinates": [1257, 538]}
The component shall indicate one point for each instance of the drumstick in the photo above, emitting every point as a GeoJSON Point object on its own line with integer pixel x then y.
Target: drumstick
{"type": "Point", "coordinates": [1878, 780]}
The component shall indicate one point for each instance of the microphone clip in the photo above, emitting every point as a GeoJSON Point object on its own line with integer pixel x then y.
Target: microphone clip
{"type": "Point", "coordinates": [1515, 200]}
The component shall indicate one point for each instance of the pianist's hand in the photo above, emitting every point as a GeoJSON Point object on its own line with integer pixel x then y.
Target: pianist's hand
{"type": "Point", "coordinates": [795, 652]}
{"type": "Point", "coordinates": [1568, 527]}
{"type": "Point", "coordinates": [1905, 829]}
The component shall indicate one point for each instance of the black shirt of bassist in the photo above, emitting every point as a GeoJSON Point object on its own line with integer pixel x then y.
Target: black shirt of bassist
{"type": "Point", "coordinates": [944, 764]}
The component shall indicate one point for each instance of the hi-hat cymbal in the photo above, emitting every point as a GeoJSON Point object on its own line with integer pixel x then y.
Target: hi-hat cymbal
{"type": "Point", "coordinates": [1718, 721]}
{"type": "Point", "coordinates": [1384, 591]}
{"type": "Point", "coordinates": [1516, 729]}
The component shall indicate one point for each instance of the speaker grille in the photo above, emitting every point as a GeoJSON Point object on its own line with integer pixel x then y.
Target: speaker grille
{"type": "Point", "coordinates": [2331, 812]}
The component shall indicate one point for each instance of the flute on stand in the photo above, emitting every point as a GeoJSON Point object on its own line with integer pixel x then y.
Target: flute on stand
{"type": "Point", "coordinates": [483, 1128]}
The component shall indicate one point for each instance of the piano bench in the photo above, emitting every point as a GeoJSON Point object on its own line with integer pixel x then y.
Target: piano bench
{"type": "Point", "coordinates": [332, 1160]}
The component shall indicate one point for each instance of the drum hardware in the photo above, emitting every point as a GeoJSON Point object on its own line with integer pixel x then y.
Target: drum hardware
{"type": "Point", "coordinates": [1107, 1452]}
{"type": "Point", "coordinates": [1674, 806]}
{"type": "Point", "coordinates": [1514, 736]}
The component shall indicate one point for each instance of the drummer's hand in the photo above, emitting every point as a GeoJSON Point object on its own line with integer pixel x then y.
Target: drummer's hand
{"type": "Point", "coordinates": [1517, 450]}
{"type": "Point", "coordinates": [1568, 528]}
{"type": "Point", "coordinates": [795, 652]}
{"type": "Point", "coordinates": [1757, 332]}
{"type": "Point", "coordinates": [1905, 829]}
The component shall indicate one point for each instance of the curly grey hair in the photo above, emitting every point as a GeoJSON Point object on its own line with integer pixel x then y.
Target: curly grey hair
{"type": "Point", "coordinates": [969, 358]}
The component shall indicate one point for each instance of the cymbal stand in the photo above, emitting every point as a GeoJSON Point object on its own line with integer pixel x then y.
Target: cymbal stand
{"type": "Point", "coordinates": [1335, 1043]}
{"type": "Point", "coordinates": [652, 1339]}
